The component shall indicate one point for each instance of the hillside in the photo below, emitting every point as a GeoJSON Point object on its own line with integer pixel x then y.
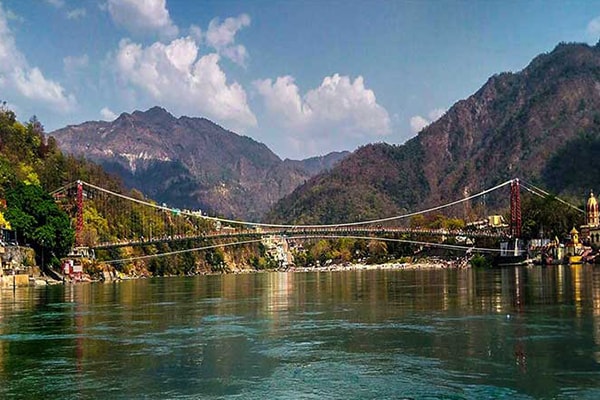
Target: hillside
{"type": "Point", "coordinates": [190, 162]}
{"type": "Point", "coordinates": [30, 167]}
{"type": "Point", "coordinates": [541, 124]}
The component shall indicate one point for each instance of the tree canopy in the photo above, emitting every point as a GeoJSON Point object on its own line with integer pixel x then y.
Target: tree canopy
{"type": "Point", "coordinates": [38, 221]}
{"type": "Point", "coordinates": [30, 165]}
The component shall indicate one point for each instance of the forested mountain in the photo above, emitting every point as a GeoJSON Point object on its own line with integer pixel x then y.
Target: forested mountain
{"type": "Point", "coordinates": [190, 162]}
{"type": "Point", "coordinates": [541, 124]}
{"type": "Point", "coordinates": [30, 167]}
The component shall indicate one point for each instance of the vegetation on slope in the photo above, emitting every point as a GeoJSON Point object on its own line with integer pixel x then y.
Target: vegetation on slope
{"type": "Point", "coordinates": [29, 210]}
{"type": "Point", "coordinates": [190, 163]}
{"type": "Point", "coordinates": [376, 181]}
{"type": "Point", "coordinates": [31, 165]}
{"type": "Point", "coordinates": [541, 125]}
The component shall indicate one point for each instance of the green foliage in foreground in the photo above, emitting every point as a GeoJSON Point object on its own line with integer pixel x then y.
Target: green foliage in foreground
{"type": "Point", "coordinates": [38, 221]}
{"type": "Point", "coordinates": [349, 251]}
{"type": "Point", "coordinates": [31, 165]}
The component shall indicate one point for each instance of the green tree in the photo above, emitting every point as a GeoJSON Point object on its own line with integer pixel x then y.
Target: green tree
{"type": "Point", "coordinates": [321, 251]}
{"type": "Point", "coordinates": [39, 222]}
{"type": "Point", "coordinates": [7, 175]}
{"type": "Point", "coordinates": [377, 251]}
{"type": "Point", "coordinates": [417, 221]}
{"type": "Point", "coordinates": [549, 216]}
{"type": "Point", "coordinates": [95, 227]}
{"type": "Point", "coordinates": [216, 259]}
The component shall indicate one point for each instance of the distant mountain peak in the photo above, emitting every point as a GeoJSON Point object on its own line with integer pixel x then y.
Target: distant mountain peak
{"type": "Point", "coordinates": [154, 114]}
{"type": "Point", "coordinates": [189, 162]}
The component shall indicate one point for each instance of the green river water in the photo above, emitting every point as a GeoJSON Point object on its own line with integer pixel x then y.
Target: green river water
{"type": "Point", "coordinates": [364, 334]}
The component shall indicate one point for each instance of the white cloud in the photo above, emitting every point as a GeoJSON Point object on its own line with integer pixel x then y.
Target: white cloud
{"type": "Point", "coordinates": [221, 37]}
{"type": "Point", "coordinates": [417, 122]}
{"type": "Point", "coordinates": [175, 76]}
{"type": "Point", "coordinates": [436, 114]}
{"type": "Point", "coordinates": [593, 27]}
{"type": "Point", "coordinates": [76, 13]}
{"type": "Point", "coordinates": [337, 113]}
{"type": "Point", "coordinates": [17, 78]}
{"type": "Point", "coordinates": [32, 84]}
{"type": "Point", "coordinates": [196, 33]}
{"type": "Point", "coordinates": [238, 54]}
{"type": "Point", "coordinates": [142, 16]}
{"type": "Point", "coordinates": [107, 114]}
{"type": "Point", "coordinates": [9, 54]}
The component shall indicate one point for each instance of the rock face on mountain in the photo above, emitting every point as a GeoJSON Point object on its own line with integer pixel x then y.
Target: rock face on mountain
{"type": "Point", "coordinates": [190, 162]}
{"type": "Point", "coordinates": [541, 124]}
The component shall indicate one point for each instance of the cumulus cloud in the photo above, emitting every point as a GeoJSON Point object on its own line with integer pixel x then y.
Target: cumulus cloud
{"type": "Point", "coordinates": [176, 76]}
{"type": "Point", "coordinates": [436, 114]}
{"type": "Point", "coordinates": [196, 33]}
{"type": "Point", "coordinates": [238, 54]}
{"type": "Point", "coordinates": [221, 37]}
{"type": "Point", "coordinates": [20, 79]}
{"type": "Point", "coordinates": [417, 122]}
{"type": "Point", "coordinates": [337, 113]}
{"type": "Point", "coordinates": [107, 114]}
{"type": "Point", "coordinates": [143, 16]}
{"type": "Point", "coordinates": [33, 85]}
{"type": "Point", "coordinates": [593, 27]}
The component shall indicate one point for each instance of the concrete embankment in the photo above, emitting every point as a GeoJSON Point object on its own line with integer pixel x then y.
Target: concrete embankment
{"type": "Point", "coordinates": [10, 281]}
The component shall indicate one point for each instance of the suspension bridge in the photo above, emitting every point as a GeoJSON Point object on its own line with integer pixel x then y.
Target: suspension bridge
{"type": "Point", "coordinates": [105, 219]}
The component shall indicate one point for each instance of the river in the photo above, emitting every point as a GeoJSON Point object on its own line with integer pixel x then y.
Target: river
{"type": "Point", "coordinates": [363, 334]}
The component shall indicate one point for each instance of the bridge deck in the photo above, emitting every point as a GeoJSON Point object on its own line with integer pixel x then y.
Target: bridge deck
{"type": "Point", "coordinates": [365, 231]}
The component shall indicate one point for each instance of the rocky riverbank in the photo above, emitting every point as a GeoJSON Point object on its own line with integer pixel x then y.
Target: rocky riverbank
{"type": "Point", "coordinates": [421, 264]}
{"type": "Point", "coordinates": [105, 273]}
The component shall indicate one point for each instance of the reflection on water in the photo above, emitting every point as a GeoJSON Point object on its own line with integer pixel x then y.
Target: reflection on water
{"type": "Point", "coordinates": [515, 332]}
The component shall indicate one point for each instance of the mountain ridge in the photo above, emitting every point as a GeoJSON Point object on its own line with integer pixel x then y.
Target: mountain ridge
{"type": "Point", "coordinates": [190, 162]}
{"type": "Point", "coordinates": [515, 125]}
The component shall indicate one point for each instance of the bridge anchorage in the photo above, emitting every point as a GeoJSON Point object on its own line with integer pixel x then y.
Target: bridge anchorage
{"type": "Point", "coordinates": [107, 220]}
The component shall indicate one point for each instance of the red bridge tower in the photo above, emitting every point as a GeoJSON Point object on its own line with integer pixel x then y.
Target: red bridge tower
{"type": "Point", "coordinates": [515, 209]}
{"type": "Point", "coordinates": [79, 226]}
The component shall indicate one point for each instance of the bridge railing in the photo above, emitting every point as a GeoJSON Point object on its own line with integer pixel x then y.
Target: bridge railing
{"type": "Point", "coordinates": [372, 231]}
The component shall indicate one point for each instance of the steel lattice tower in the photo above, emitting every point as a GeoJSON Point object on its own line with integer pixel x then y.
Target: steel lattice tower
{"type": "Point", "coordinates": [79, 226]}
{"type": "Point", "coordinates": [515, 209]}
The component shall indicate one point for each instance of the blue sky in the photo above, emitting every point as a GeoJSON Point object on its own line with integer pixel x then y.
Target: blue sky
{"type": "Point", "coordinates": [303, 77]}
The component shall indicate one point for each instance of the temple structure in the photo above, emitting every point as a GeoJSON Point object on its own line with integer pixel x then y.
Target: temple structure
{"type": "Point", "coordinates": [590, 232]}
